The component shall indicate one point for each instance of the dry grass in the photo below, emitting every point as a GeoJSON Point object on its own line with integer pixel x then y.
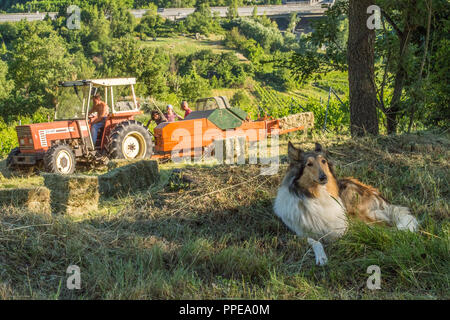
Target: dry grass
{"type": "Point", "coordinates": [72, 194]}
{"type": "Point", "coordinates": [35, 199]}
{"type": "Point", "coordinates": [209, 232]}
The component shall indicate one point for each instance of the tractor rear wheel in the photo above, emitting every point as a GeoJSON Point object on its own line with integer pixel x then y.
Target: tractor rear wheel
{"type": "Point", "coordinates": [130, 140]}
{"type": "Point", "coordinates": [59, 159]}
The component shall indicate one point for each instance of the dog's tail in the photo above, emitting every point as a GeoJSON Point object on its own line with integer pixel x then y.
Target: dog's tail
{"type": "Point", "coordinates": [398, 216]}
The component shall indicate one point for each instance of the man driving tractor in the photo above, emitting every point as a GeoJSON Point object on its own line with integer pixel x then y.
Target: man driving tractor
{"type": "Point", "coordinates": [98, 122]}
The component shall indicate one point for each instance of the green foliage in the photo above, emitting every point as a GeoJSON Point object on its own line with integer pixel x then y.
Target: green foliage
{"type": "Point", "coordinates": [267, 35]}
{"type": "Point", "coordinates": [242, 100]}
{"type": "Point", "coordinates": [54, 5]}
{"type": "Point", "coordinates": [249, 47]}
{"type": "Point", "coordinates": [232, 12]}
{"type": "Point", "coordinates": [325, 49]}
{"type": "Point", "coordinates": [122, 22]}
{"type": "Point", "coordinates": [202, 21]}
{"type": "Point", "coordinates": [8, 138]}
{"type": "Point", "coordinates": [194, 86]}
{"type": "Point", "coordinates": [423, 96]}
{"type": "Point", "coordinates": [126, 58]}
{"type": "Point", "coordinates": [223, 70]}
{"type": "Point", "coordinates": [277, 105]}
{"type": "Point", "coordinates": [5, 85]}
{"type": "Point", "coordinates": [39, 60]}
{"type": "Point", "coordinates": [153, 25]}
{"type": "Point", "coordinates": [438, 91]}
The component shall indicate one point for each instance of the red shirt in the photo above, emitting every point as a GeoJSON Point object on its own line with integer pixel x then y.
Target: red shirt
{"type": "Point", "coordinates": [186, 113]}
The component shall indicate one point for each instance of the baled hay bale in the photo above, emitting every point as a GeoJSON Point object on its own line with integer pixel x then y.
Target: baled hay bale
{"type": "Point", "coordinates": [305, 119]}
{"type": "Point", "coordinates": [132, 177]}
{"type": "Point", "coordinates": [72, 194]}
{"type": "Point", "coordinates": [117, 163]}
{"type": "Point", "coordinates": [34, 199]}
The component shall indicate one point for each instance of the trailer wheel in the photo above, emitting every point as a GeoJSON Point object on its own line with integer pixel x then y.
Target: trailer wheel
{"type": "Point", "coordinates": [9, 161]}
{"type": "Point", "coordinates": [130, 140]}
{"type": "Point", "coordinates": [59, 159]}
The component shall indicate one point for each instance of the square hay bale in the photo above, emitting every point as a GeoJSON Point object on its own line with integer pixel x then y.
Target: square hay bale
{"type": "Point", "coordinates": [130, 178]}
{"type": "Point", "coordinates": [72, 194]}
{"type": "Point", "coordinates": [117, 163]}
{"type": "Point", "coordinates": [35, 199]}
{"type": "Point", "coordinates": [305, 119]}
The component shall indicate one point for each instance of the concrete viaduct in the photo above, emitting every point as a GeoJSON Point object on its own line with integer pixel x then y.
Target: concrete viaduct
{"type": "Point", "coordinates": [309, 8]}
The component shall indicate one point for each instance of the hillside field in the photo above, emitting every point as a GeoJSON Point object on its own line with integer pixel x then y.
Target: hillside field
{"type": "Point", "coordinates": [209, 232]}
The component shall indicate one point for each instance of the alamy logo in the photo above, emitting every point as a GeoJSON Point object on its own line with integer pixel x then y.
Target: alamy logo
{"type": "Point", "coordinates": [374, 281]}
{"type": "Point", "coordinates": [74, 20]}
{"type": "Point", "coordinates": [374, 21]}
{"type": "Point", "coordinates": [74, 281]}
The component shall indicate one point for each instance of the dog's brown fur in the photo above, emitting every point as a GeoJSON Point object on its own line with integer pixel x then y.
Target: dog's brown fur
{"type": "Point", "coordinates": [360, 200]}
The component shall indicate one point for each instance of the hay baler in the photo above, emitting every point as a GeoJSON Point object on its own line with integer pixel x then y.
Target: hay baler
{"type": "Point", "coordinates": [214, 119]}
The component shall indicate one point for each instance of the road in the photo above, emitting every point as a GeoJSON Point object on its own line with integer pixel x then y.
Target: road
{"type": "Point", "coordinates": [182, 13]}
{"type": "Point", "coordinates": [273, 11]}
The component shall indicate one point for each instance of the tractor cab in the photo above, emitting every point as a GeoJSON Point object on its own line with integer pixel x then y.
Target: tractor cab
{"type": "Point", "coordinates": [68, 139]}
{"type": "Point", "coordinates": [76, 101]}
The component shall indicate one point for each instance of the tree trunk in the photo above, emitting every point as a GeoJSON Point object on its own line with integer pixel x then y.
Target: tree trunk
{"type": "Point", "coordinates": [360, 58]}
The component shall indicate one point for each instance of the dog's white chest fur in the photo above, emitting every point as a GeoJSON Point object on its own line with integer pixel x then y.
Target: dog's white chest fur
{"type": "Point", "coordinates": [315, 217]}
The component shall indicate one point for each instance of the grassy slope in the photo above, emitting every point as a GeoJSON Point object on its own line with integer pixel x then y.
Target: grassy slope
{"type": "Point", "coordinates": [314, 89]}
{"type": "Point", "coordinates": [189, 45]}
{"type": "Point", "coordinates": [210, 232]}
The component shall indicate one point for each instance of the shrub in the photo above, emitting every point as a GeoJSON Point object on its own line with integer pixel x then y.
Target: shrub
{"type": "Point", "coordinates": [202, 21]}
{"type": "Point", "coordinates": [8, 138]}
{"type": "Point", "coordinates": [241, 99]}
{"type": "Point", "coordinates": [194, 86]}
{"type": "Point", "coordinates": [223, 70]}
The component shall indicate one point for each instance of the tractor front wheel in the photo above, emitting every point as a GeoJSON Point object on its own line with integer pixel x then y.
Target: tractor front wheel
{"type": "Point", "coordinates": [9, 161]}
{"type": "Point", "coordinates": [60, 159]}
{"type": "Point", "coordinates": [130, 140]}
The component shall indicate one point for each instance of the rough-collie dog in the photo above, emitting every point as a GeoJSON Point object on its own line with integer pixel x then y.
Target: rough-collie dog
{"type": "Point", "coordinates": [314, 204]}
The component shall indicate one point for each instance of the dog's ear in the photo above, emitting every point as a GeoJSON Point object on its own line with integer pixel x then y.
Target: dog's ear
{"type": "Point", "coordinates": [294, 154]}
{"type": "Point", "coordinates": [319, 148]}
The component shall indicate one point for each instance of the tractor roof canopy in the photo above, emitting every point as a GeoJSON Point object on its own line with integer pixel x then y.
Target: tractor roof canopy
{"type": "Point", "coordinates": [100, 82]}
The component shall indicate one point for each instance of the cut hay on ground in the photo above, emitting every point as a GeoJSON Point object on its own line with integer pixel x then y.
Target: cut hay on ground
{"type": "Point", "coordinates": [72, 194]}
{"type": "Point", "coordinates": [305, 119]}
{"type": "Point", "coordinates": [130, 178]}
{"type": "Point", "coordinates": [34, 199]}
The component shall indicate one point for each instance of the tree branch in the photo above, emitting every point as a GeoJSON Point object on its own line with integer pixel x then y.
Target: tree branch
{"type": "Point", "coordinates": [392, 23]}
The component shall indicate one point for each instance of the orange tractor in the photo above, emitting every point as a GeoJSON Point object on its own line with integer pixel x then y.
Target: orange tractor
{"type": "Point", "coordinates": [59, 145]}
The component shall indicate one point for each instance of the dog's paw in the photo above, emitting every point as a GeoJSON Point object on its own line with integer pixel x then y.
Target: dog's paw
{"type": "Point", "coordinates": [408, 222]}
{"type": "Point", "coordinates": [321, 260]}
{"type": "Point", "coordinates": [319, 252]}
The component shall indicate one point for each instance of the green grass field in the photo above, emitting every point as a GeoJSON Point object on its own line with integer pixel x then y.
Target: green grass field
{"type": "Point", "coordinates": [189, 45]}
{"type": "Point", "coordinates": [209, 232]}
